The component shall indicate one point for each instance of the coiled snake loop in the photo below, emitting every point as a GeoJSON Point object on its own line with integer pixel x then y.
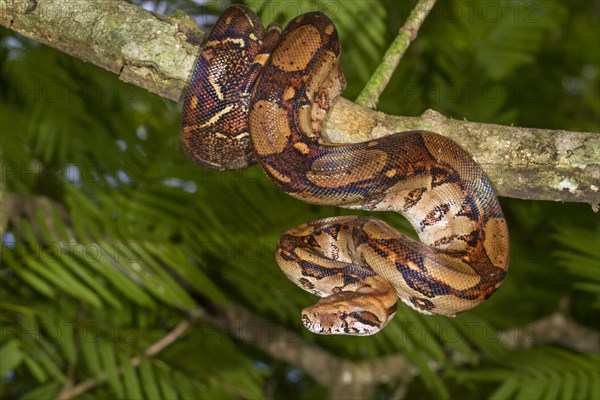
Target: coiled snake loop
{"type": "Point", "coordinates": [262, 94]}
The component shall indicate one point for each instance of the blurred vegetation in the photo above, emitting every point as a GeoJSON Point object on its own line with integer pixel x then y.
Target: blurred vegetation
{"type": "Point", "coordinates": [155, 235]}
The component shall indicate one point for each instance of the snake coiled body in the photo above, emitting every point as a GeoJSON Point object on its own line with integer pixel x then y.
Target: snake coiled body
{"type": "Point", "coordinates": [262, 94]}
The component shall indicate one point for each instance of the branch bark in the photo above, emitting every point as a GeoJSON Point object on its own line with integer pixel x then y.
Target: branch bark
{"type": "Point", "coordinates": [148, 50]}
{"type": "Point", "coordinates": [157, 53]}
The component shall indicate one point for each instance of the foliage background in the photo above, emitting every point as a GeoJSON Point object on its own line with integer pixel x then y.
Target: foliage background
{"type": "Point", "coordinates": [148, 236]}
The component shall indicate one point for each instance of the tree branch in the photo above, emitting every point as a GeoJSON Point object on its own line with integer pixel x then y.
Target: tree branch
{"type": "Point", "coordinates": [151, 51]}
{"type": "Point", "coordinates": [157, 53]}
{"type": "Point", "coordinates": [344, 378]}
{"type": "Point", "coordinates": [382, 75]}
{"type": "Point", "coordinates": [526, 163]}
{"type": "Point", "coordinates": [556, 328]}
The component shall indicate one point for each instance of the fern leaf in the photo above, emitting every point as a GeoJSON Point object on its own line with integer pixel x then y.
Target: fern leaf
{"type": "Point", "coordinates": [541, 373]}
{"type": "Point", "coordinates": [579, 255]}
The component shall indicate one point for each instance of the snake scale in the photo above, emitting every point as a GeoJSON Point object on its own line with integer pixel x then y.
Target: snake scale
{"type": "Point", "coordinates": [261, 95]}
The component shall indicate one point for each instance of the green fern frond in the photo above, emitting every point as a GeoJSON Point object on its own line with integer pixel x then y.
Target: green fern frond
{"type": "Point", "coordinates": [541, 373]}
{"type": "Point", "coordinates": [579, 255]}
{"type": "Point", "coordinates": [40, 345]}
{"type": "Point", "coordinates": [513, 35]}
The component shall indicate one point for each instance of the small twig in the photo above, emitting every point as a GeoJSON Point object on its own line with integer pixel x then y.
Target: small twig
{"type": "Point", "coordinates": [151, 351]}
{"type": "Point", "coordinates": [167, 340]}
{"type": "Point", "coordinates": [382, 75]}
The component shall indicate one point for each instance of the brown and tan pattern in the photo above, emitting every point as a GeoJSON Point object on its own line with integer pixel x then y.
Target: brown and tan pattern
{"type": "Point", "coordinates": [262, 95]}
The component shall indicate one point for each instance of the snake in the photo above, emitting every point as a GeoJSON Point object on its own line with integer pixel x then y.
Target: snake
{"type": "Point", "coordinates": [261, 95]}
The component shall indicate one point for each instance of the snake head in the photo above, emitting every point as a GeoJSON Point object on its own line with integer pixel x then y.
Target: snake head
{"type": "Point", "coordinates": [347, 313]}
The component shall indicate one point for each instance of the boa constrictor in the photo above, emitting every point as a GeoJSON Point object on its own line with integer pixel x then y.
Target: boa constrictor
{"type": "Point", "coordinates": [261, 94]}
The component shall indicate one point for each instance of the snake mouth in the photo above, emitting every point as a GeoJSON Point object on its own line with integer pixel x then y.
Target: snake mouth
{"type": "Point", "coordinates": [317, 327]}
{"type": "Point", "coordinates": [338, 324]}
{"type": "Point", "coordinates": [307, 322]}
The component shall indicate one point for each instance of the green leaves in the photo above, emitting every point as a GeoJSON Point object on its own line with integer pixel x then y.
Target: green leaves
{"type": "Point", "coordinates": [580, 257]}
{"type": "Point", "coordinates": [11, 356]}
{"type": "Point", "coordinates": [149, 382]}
{"type": "Point", "coordinates": [109, 363]}
{"type": "Point", "coordinates": [514, 34]}
{"type": "Point", "coordinates": [543, 373]}
{"type": "Point", "coordinates": [107, 355]}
